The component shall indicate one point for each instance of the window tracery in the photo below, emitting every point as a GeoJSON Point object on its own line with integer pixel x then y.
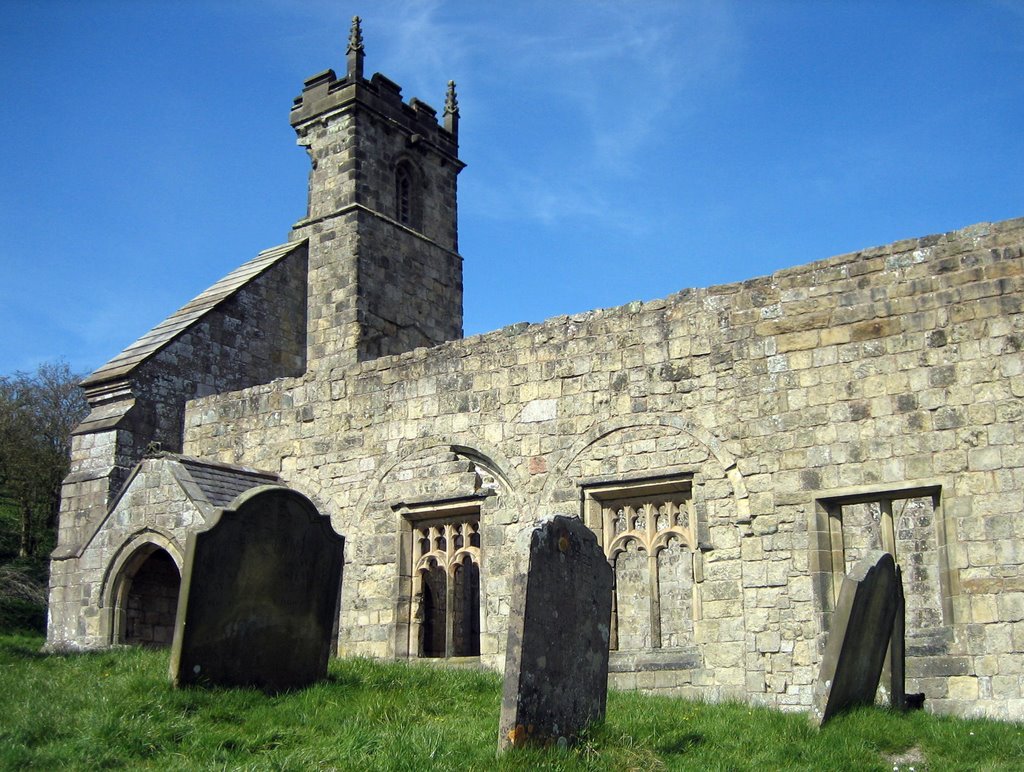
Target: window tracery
{"type": "Point", "coordinates": [648, 530]}
{"type": "Point", "coordinates": [445, 583]}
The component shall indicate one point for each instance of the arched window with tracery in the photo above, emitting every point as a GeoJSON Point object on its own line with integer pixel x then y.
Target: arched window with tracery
{"type": "Point", "coordinates": [444, 570]}
{"type": "Point", "coordinates": [404, 194]}
{"type": "Point", "coordinates": [649, 532]}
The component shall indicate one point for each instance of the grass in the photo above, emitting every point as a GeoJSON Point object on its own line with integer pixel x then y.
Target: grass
{"type": "Point", "coordinates": [115, 709]}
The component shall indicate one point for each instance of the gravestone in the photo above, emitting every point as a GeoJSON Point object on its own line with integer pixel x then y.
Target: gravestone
{"type": "Point", "coordinates": [259, 595]}
{"type": "Point", "coordinates": [556, 663]}
{"type": "Point", "coordinates": [862, 626]}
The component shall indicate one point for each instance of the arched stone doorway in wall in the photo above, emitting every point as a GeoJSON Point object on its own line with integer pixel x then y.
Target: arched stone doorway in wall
{"type": "Point", "coordinates": [147, 598]}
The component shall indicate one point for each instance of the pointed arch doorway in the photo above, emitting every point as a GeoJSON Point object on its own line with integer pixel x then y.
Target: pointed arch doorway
{"type": "Point", "coordinates": [146, 598]}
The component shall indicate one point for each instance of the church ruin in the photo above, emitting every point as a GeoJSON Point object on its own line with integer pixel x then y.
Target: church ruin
{"type": "Point", "coordinates": [735, 449]}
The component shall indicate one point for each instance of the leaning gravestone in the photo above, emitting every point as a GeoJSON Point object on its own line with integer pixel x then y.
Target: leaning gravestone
{"type": "Point", "coordinates": [892, 683]}
{"type": "Point", "coordinates": [898, 649]}
{"type": "Point", "coordinates": [259, 594]}
{"type": "Point", "coordinates": [556, 663]}
{"type": "Point", "coordinates": [862, 625]}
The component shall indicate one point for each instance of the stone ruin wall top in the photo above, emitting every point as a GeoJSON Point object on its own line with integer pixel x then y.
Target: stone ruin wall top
{"type": "Point", "coordinates": [911, 286]}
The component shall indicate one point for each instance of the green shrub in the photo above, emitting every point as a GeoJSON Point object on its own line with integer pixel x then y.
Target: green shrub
{"type": "Point", "coordinates": [23, 596]}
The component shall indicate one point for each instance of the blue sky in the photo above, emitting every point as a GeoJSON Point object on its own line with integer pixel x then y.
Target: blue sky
{"type": "Point", "coordinates": [616, 151]}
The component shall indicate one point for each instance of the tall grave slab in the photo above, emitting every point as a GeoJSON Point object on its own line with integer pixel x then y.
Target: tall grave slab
{"type": "Point", "coordinates": [892, 683]}
{"type": "Point", "coordinates": [862, 626]}
{"type": "Point", "coordinates": [556, 664]}
{"type": "Point", "coordinates": [259, 595]}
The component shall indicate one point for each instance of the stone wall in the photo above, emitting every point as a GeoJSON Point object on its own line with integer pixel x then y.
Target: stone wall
{"type": "Point", "coordinates": [252, 336]}
{"type": "Point", "coordinates": [377, 289]}
{"type": "Point", "coordinates": [781, 404]}
{"type": "Point", "coordinates": [256, 335]}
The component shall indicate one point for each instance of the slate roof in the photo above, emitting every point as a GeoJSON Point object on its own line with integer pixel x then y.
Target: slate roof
{"type": "Point", "coordinates": [189, 314]}
{"type": "Point", "coordinates": [221, 483]}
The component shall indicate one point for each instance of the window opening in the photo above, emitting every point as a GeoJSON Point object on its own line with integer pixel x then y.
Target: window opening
{"type": "Point", "coordinates": [445, 581]}
{"type": "Point", "coordinates": [648, 530]}
{"type": "Point", "coordinates": [403, 195]}
{"type": "Point", "coordinates": [910, 525]}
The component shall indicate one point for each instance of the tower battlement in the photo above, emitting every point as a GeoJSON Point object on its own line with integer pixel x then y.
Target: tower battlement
{"type": "Point", "coordinates": [325, 93]}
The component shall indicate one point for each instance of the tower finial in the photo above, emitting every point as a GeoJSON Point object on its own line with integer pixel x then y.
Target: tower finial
{"type": "Point", "coordinates": [451, 111]}
{"type": "Point", "coordinates": [355, 36]}
{"type": "Point", "coordinates": [451, 104]}
{"type": "Point", "coordinates": [354, 52]}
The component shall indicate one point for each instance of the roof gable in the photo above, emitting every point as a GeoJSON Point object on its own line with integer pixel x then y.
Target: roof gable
{"type": "Point", "coordinates": [186, 316]}
{"type": "Point", "coordinates": [209, 485]}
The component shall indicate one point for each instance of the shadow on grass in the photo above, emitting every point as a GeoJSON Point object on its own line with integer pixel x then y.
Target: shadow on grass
{"type": "Point", "coordinates": [341, 680]}
{"type": "Point", "coordinates": [679, 743]}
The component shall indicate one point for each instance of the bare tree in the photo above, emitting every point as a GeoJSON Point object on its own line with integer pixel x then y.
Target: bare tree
{"type": "Point", "coordinates": [37, 415]}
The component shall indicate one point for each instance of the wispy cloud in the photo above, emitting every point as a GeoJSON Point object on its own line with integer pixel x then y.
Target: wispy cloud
{"type": "Point", "coordinates": [599, 82]}
{"type": "Point", "coordinates": [401, 33]}
{"type": "Point", "coordinates": [1014, 7]}
{"type": "Point", "coordinates": [522, 194]}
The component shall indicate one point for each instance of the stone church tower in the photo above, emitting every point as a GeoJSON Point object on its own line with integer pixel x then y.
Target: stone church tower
{"type": "Point", "coordinates": [385, 275]}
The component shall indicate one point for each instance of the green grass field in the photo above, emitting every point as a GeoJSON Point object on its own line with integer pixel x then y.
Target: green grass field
{"type": "Point", "coordinates": [116, 709]}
